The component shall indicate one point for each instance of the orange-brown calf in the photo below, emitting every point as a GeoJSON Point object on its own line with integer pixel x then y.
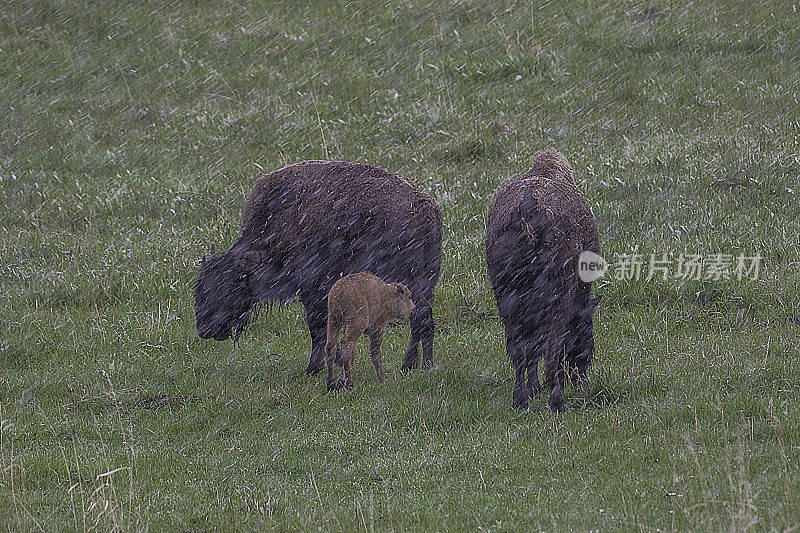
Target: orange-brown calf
{"type": "Point", "coordinates": [362, 304]}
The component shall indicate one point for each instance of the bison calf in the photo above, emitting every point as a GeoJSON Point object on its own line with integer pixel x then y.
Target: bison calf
{"type": "Point", "coordinates": [362, 304]}
{"type": "Point", "coordinates": [537, 229]}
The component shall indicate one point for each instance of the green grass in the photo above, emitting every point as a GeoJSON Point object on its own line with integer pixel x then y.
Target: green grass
{"type": "Point", "coordinates": [131, 133]}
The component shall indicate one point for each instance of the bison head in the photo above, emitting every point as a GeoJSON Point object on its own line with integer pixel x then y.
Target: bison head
{"type": "Point", "coordinates": [222, 297]}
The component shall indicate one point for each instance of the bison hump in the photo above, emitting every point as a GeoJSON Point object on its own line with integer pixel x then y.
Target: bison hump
{"type": "Point", "coordinates": [549, 212]}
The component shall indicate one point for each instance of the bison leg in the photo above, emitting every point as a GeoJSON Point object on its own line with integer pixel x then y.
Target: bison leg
{"type": "Point", "coordinates": [535, 350]}
{"type": "Point", "coordinates": [351, 334]}
{"type": "Point", "coordinates": [428, 329]}
{"type": "Point", "coordinates": [515, 346]}
{"type": "Point", "coordinates": [375, 339]}
{"type": "Point", "coordinates": [338, 357]}
{"type": "Point", "coordinates": [554, 362]}
{"type": "Point", "coordinates": [520, 396]}
{"type": "Point", "coordinates": [422, 328]}
{"type": "Point", "coordinates": [411, 359]}
{"type": "Point", "coordinates": [534, 385]}
{"type": "Point", "coordinates": [329, 361]}
{"type": "Point", "coordinates": [316, 318]}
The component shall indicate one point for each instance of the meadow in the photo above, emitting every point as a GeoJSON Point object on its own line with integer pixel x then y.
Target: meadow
{"type": "Point", "coordinates": [132, 132]}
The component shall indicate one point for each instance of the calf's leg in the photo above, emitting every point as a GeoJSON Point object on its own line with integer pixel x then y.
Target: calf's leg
{"type": "Point", "coordinates": [351, 334]}
{"type": "Point", "coordinates": [332, 348]}
{"type": "Point", "coordinates": [375, 339]}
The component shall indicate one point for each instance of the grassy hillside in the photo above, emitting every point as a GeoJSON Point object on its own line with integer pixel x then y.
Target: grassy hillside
{"type": "Point", "coordinates": [131, 133]}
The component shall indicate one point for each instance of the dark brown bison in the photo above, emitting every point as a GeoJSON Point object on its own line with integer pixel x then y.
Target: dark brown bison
{"type": "Point", "coordinates": [537, 229]}
{"type": "Point", "coordinates": [307, 225]}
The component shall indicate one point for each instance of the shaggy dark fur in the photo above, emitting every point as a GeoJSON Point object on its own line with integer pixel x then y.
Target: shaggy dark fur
{"type": "Point", "coordinates": [537, 228]}
{"type": "Point", "coordinates": [309, 224]}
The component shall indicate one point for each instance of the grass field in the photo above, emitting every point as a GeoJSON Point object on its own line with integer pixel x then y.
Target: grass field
{"type": "Point", "coordinates": [131, 133]}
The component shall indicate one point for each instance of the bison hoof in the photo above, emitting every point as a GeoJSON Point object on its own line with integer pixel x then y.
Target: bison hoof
{"type": "Point", "coordinates": [339, 385]}
{"type": "Point", "coordinates": [407, 366]}
{"type": "Point", "coordinates": [556, 402]}
{"type": "Point", "coordinates": [520, 399]}
{"type": "Point", "coordinates": [314, 369]}
{"type": "Point", "coordinates": [521, 406]}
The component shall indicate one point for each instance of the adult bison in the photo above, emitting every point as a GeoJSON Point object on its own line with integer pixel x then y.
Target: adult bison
{"type": "Point", "coordinates": [307, 225]}
{"type": "Point", "coordinates": [537, 229]}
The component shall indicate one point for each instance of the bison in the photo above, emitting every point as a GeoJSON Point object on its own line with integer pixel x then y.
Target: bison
{"type": "Point", "coordinates": [362, 304]}
{"type": "Point", "coordinates": [307, 225]}
{"type": "Point", "coordinates": [537, 228]}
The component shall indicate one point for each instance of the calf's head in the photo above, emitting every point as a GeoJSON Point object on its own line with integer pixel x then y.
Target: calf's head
{"type": "Point", "coordinates": [222, 297]}
{"type": "Point", "coordinates": [400, 301]}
